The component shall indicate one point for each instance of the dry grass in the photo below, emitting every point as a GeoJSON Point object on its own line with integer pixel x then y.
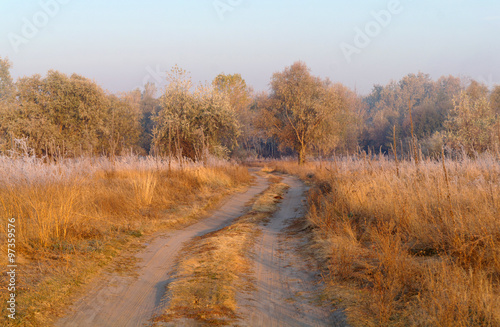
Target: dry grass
{"type": "Point", "coordinates": [421, 248]}
{"type": "Point", "coordinates": [214, 267]}
{"type": "Point", "coordinates": [74, 221]}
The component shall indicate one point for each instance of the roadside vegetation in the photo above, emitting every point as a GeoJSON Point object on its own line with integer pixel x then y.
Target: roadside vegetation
{"type": "Point", "coordinates": [73, 218]}
{"type": "Point", "coordinates": [408, 244]}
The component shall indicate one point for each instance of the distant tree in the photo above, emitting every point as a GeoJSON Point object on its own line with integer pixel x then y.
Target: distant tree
{"type": "Point", "coordinates": [495, 99]}
{"type": "Point", "coordinates": [7, 93]}
{"type": "Point", "coordinates": [388, 106]}
{"type": "Point", "coordinates": [302, 111]}
{"type": "Point", "coordinates": [240, 99]}
{"type": "Point", "coordinates": [123, 123]}
{"type": "Point", "coordinates": [477, 90]}
{"type": "Point", "coordinates": [264, 141]}
{"type": "Point", "coordinates": [471, 124]}
{"type": "Point", "coordinates": [374, 97]}
{"type": "Point", "coordinates": [59, 115]}
{"type": "Point", "coordinates": [348, 114]}
{"type": "Point", "coordinates": [6, 83]}
{"type": "Point", "coordinates": [195, 123]}
{"type": "Point", "coordinates": [447, 88]}
{"type": "Point", "coordinates": [149, 106]}
{"type": "Point", "coordinates": [236, 88]}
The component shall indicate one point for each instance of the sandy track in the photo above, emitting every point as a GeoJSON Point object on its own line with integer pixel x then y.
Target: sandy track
{"type": "Point", "coordinates": [285, 285]}
{"type": "Point", "coordinates": [127, 301]}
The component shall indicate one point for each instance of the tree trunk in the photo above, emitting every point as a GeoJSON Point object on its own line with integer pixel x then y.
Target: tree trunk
{"type": "Point", "coordinates": [302, 155]}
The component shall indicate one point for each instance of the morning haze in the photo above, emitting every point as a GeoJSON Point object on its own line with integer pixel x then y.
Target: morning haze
{"type": "Point", "coordinates": [249, 163]}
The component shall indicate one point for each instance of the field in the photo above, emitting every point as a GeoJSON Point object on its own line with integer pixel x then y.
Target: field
{"type": "Point", "coordinates": [408, 244]}
{"type": "Point", "coordinates": [397, 243]}
{"type": "Point", "coordinates": [75, 217]}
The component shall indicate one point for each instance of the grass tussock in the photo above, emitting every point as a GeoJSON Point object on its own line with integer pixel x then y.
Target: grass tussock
{"type": "Point", "coordinates": [69, 226]}
{"type": "Point", "coordinates": [421, 248]}
{"type": "Point", "coordinates": [214, 267]}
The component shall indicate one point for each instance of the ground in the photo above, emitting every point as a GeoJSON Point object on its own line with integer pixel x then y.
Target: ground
{"type": "Point", "coordinates": [286, 285]}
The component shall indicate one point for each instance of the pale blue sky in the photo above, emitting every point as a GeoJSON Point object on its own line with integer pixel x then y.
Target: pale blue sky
{"type": "Point", "coordinates": [122, 43]}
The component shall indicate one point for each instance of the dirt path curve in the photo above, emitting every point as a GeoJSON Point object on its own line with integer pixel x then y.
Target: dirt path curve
{"type": "Point", "coordinates": [131, 301]}
{"type": "Point", "coordinates": [286, 286]}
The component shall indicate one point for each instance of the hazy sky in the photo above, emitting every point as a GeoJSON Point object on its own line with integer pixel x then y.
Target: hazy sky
{"type": "Point", "coordinates": [123, 43]}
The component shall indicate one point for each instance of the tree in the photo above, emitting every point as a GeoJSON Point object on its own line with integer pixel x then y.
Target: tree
{"type": "Point", "coordinates": [7, 91]}
{"type": "Point", "coordinates": [302, 111]}
{"type": "Point", "coordinates": [124, 126]}
{"type": "Point", "coordinates": [388, 106]}
{"type": "Point", "coordinates": [149, 107]}
{"type": "Point", "coordinates": [236, 89]}
{"type": "Point", "coordinates": [239, 94]}
{"type": "Point", "coordinates": [60, 115]}
{"type": "Point", "coordinates": [472, 123]}
{"type": "Point", "coordinates": [348, 117]}
{"type": "Point", "coordinates": [6, 84]}
{"type": "Point", "coordinates": [495, 99]}
{"type": "Point", "coordinates": [477, 90]}
{"type": "Point", "coordinates": [265, 143]}
{"type": "Point", "coordinates": [195, 123]}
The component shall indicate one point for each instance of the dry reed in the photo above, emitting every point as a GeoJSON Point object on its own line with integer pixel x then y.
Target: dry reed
{"type": "Point", "coordinates": [76, 215]}
{"type": "Point", "coordinates": [421, 248]}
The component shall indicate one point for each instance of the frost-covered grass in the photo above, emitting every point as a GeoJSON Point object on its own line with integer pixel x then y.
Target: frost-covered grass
{"type": "Point", "coordinates": [409, 244]}
{"type": "Point", "coordinates": [75, 215]}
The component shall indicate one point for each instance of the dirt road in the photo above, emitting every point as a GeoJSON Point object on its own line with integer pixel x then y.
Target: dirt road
{"type": "Point", "coordinates": [286, 286]}
{"type": "Point", "coordinates": [129, 301]}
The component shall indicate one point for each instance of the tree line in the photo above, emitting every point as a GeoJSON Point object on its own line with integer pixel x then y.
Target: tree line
{"type": "Point", "coordinates": [302, 114]}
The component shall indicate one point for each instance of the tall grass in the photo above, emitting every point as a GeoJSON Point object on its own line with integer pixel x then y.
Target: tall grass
{"type": "Point", "coordinates": [422, 247]}
{"type": "Point", "coordinates": [85, 211]}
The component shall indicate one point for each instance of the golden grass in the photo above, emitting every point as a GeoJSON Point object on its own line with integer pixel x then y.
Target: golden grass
{"type": "Point", "coordinates": [214, 267]}
{"type": "Point", "coordinates": [69, 228]}
{"type": "Point", "coordinates": [418, 249]}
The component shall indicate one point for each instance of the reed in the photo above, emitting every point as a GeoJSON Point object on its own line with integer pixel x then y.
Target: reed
{"type": "Point", "coordinates": [73, 217]}
{"type": "Point", "coordinates": [421, 248]}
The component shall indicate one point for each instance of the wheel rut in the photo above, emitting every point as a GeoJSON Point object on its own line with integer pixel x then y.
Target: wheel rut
{"type": "Point", "coordinates": [286, 286]}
